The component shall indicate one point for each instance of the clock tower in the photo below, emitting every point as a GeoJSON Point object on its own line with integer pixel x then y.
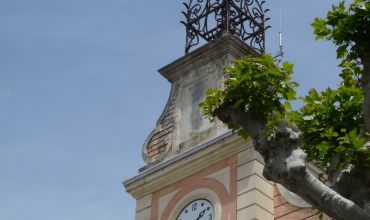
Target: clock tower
{"type": "Point", "coordinates": [197, 169]}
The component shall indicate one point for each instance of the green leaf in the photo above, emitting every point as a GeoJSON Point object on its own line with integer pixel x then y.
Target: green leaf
{"type": "Point", "coordinates": [342, 51]}
{"type": "Point", "coordinates": [314, 95]}
{"type": "Point", "coordinates": [238, 103]}
{"type": "Point", "coordinates": [287, 105]}
{"type": "Point", "coordinates": [359, 143]}
{"type": "Point", "coordinates": [323, 147]}
{"type": "Point", "coordinates": [288, 67]}
{"type": "Point", "coordinates": [293, 116]}
{"type": "Point", "coordinates": [211, 91]}
{"type": "Point", "coordinates": [353, 135]}
{"type": "Point", "coordinates": [331, 133]}
{"type": "Point", "coordinates": [243, 134]}
{"type": "Point", "coordinates": [233, 127]}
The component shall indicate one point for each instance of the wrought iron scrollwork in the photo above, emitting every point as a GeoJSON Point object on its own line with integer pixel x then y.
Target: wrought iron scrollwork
{"type": "Point", "coordinates": [211, 19]}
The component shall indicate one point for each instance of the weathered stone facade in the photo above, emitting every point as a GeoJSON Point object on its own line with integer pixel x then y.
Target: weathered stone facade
{"type": "Point", "coordinates": [181, 125]}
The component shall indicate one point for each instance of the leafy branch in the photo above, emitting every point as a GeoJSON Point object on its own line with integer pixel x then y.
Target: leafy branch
{"type": "Point", "coordinates": [255, 84]}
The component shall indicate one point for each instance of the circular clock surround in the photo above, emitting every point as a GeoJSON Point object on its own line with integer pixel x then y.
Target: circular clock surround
{"type": "Point", "coordinates": [198, 209]}
{"type": "Point", "coordinates": [199, 194]}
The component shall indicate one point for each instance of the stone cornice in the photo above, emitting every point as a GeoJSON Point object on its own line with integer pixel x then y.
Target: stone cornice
{"type": "Point", "coordinates": [226, 45]}
{"type": "Point", "coordinates": [185, 164]}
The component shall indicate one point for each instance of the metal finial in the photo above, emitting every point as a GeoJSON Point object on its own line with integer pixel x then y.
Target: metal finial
{"type": "Point", "coordinates": [211, 19]}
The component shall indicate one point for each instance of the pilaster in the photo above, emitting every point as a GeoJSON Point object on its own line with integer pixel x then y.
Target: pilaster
{"type": "Point", "coordinates": [255, 199]}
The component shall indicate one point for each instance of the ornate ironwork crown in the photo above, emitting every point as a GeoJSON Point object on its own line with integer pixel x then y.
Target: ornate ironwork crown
{"type": "Point", "coordinates": [243, 18]}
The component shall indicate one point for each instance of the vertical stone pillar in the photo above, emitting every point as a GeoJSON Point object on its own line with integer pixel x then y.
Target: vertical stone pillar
{"type": "Point", "coordinates": [143, 208]}
{"type": "Point", "coordinates": [254, 193]}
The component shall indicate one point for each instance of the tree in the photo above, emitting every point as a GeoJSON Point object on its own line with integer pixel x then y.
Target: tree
{"type": "Point", "coordinates": [330, 130]}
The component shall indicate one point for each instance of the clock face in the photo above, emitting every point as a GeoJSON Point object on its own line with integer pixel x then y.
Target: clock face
{"type": "Point", "coordinates": [199, 209]}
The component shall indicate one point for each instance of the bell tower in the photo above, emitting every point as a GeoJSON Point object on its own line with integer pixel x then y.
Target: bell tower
{"type": "Point", "coordinates": [196, 169]}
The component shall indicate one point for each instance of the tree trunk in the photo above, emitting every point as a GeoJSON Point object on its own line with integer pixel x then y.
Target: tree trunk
{"type": "Point", "coordinates": [285, 163]}
{"type": "Point", "coordinates": [365, 84]}
{"type": "Point", "coordinates": [352, 183]}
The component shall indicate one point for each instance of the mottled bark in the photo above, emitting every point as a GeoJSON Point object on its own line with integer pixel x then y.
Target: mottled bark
{"type": "Point", "coordinates": [365, 84]}
{"type": "Point", "coordinates": [352, 183]}
{"type": "Point", "coordinates": [285, 163]}
{"type": "Point", "coordinates": [360, 176]}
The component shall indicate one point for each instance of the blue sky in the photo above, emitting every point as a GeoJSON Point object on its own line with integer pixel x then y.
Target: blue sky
{"type": "Point", "coordinates": [80, 92]}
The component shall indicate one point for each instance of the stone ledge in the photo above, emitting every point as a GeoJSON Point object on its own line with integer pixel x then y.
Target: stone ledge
{"type": "Point", "coordinates": [227, 44]}
{"type": "Point", "coordinates": [144, 203]}
{"type": "Point", "coordinates": [254, 212]}
{"type": "Point", "coordinates": [248, 155]}
{"type": "Point", "coordinates": [255, 197]}
{"type": "Point", "coordinates": [144, 214]}
{"type": "Point", "coordinates": [255, 182]}
{"type": "Point", "coordinates": [185, 164]}
{"type": "Point", "coordinates": [250, 168]}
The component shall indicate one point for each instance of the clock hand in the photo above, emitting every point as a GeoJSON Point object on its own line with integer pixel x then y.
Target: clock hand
{"type": "Point", "coordinates": [201, 214]}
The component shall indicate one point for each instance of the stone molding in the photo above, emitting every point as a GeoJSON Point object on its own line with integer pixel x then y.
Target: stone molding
{"type": "Point", "coordinates": [226, 45]}
{"type": "Point", "coordinates": [185, 164]}
{"type": "Point", "coordinates": [178, 157]}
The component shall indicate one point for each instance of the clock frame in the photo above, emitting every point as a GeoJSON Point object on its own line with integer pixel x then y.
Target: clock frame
{"type": "Point", "coordinates": [198, 194]}
{"type": "Point", "coordinates": [199, 209]}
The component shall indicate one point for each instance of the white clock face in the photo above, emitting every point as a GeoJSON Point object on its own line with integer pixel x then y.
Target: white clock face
{"type": "Point", "coordinates": [199, 209]}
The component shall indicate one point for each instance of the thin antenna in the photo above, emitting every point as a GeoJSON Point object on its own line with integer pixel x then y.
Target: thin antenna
{"type": "Point", "coordinates": [280, 52]}
{"type": "Point", "coordinates": [280, 30]}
